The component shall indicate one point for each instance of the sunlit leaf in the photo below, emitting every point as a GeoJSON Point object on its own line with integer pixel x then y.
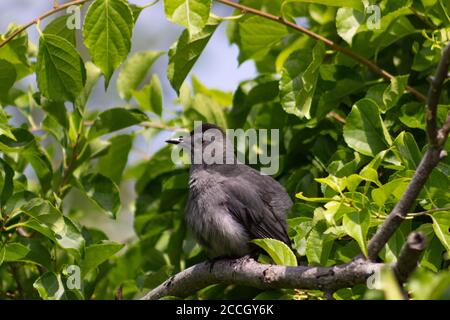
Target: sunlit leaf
{"type": "Point", "coordinates": [107, 31]}
{"type": "Point", "coordinates": [60, 70]}
{"type": "Point", "coordinates": [278, 251]}
{"type": "Point", "coordinates": [364, 130]}
{"type": "Point", "coordinates": [185, 52]}
{"type": "Point", "coordinates": [191, 14]}
{"type": "Point", "coordinates": [134, 71]}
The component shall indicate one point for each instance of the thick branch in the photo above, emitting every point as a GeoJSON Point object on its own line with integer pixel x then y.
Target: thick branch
{"type": "Point", "coordinates": [431, 159]}
{"type": "Point", "coordinates": [43, 16]}
{"type": "Point", "coordinates": [372, 66]}
{"type": "Point", "coordinates": [434, 94]}
{"type": "Point", "coordinates": [251, 273]}
{"type": "Point", "coordinates": [442, 134]}
{"type": "Point", "coordinates": [409, 256]}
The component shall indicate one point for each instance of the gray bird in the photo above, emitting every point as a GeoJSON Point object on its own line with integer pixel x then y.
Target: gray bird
{"type": "Point", "coordinates": [230, 204]}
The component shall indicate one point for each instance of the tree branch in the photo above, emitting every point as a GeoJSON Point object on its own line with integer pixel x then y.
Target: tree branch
{"type": "Point", "coordinates": [41, 17]}
{"type": "Point", "coordinates": [398, 214]}
{"type": "Point", "coordinates": [372, 66]}
{"type": "Point", "coordinates": [434, 94]}
{"type": "Point", "coordinates": [434, 154]}
{"type": "Point", "coordinates": [409, 256]}
{"type": "Point", "coordinates": [263, 276]}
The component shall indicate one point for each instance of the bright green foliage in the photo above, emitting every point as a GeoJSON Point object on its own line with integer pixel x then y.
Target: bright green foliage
{"type": "Point", "coordinates": [107, 33]}
{"type": "Point", "coordinates": [350, 141]}
{"type": "Point", "coordinates": [278, 251]}
{"type": "Point", "coordinates": [134, 71]}
{"type": "Point", "coordinates": [150, 96]}
{"type": "Point", "coordinates": [60, 71]}
{"type": "Point", "coordinates": [185, 52]}
{"type": "Point", "coordinates": [365, 131]}
{"type": "Point", "coordinates": [191, 14]}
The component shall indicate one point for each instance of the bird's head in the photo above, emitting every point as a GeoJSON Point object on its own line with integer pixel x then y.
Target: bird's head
{"type": "Point", "coordinates": [207, 144]}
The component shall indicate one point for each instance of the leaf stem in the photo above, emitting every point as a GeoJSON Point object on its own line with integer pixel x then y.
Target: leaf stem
{"type": "Point", "coordinates": [13, 226]}
{"type": "Point", "coordinates": [150, 4]}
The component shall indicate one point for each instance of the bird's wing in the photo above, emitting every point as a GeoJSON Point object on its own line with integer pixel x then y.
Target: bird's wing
{"type": "Point", "coordinates": [253, 209]}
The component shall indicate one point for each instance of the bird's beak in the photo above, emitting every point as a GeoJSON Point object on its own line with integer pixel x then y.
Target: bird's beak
{"type": "Point", "coordinates": [175, 140]}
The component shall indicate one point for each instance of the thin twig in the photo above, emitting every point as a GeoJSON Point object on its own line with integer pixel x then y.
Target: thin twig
{"type": "Point", "coordinates": [434, 94]}
{"type": "Point", "coordinates": [41, 17]}
{"type": "Point", "coordinates": [422, 213]}
{"type": "Point", "coordinates": [372, 66]}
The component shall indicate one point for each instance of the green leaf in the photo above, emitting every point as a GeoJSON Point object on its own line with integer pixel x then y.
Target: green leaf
{"type": "Point", "coordinates": [191, 14]}
{"type": "Point", "coordinates": [50, 286]}
{"type": "Point", "coordinates": [348, 21]}
{"type": "Point", "coordinates": [393, 189]}
{"type": "Point", "coordinates": [58, 27]}
{"type": "Point", "coordinates": [92, 75]}
{"type": "Point", "coordinates": [150, 98]}
{"type": "Point", "coordinates": [15, 252]}
{"type": "Point", "coordinates": [136, 11]}
{"type": "Point", "coordinates": [205, 108]}
{"type": "Point", "coordinates": [57, 110]}
{"type": "Point", "coordinates": [2, 254]}
{"type": "Point", "coordinates": [365, 131]}
{"type": "Point", "coordinates": [107, 32]}
{"type": "Point", "coordinates": [103, 192]}
{"type": "Point", "coordinates": [426, 285]}
{"type": "Point", "coordinates": [407, 150]}
{"type": "Point", "coordinates": [356, 225]}
{"type": "Point", "coordinates": [394, 91]}
{"type": "Point", "coordinates": [441, 226]}
{"type": "Point", "coordinates": [278, 251]}
{"type": "Point", "coordinates": [16, 51]}
{"type": "Point", "coordinates": [185, 52]}
{"type": "Point", "coordinates": [60, 70]}
{"type": "Point", "coordinates": [298, 80]}
{"type": "Point", "coordinates": [7, 186]}
{"type": "Point", "coordinates": [8, 77]}
{"type": "Point", "coordinates": [355, 4]}
{"type": "Point", "coordinates": [134, 71]}
{"type": "Point", "coordinates": [49, 221]}
{"type": "Point", "coordinates": [25, 145]}
{"type": "Point", "coordinates": [113, 163]}
{"type": "Point", "coordinates": [412, 115]}
{"type": "Point", "coordinates": [31, 251]}
{"type": "Point", "coordinates": [258, 35]}
{"type": "Point", "coordinates": [96, 254]}
{"type": "Point", "coordinates": [319, 245]}
{"type": "Point", "coordinates": [223, 98]}
{"type": "Point", "coordinates": [389, 284]}
{"type": "Point", "coordinates": [115, 119]}
{"type": "Point", "coordinates": [5, 128]}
